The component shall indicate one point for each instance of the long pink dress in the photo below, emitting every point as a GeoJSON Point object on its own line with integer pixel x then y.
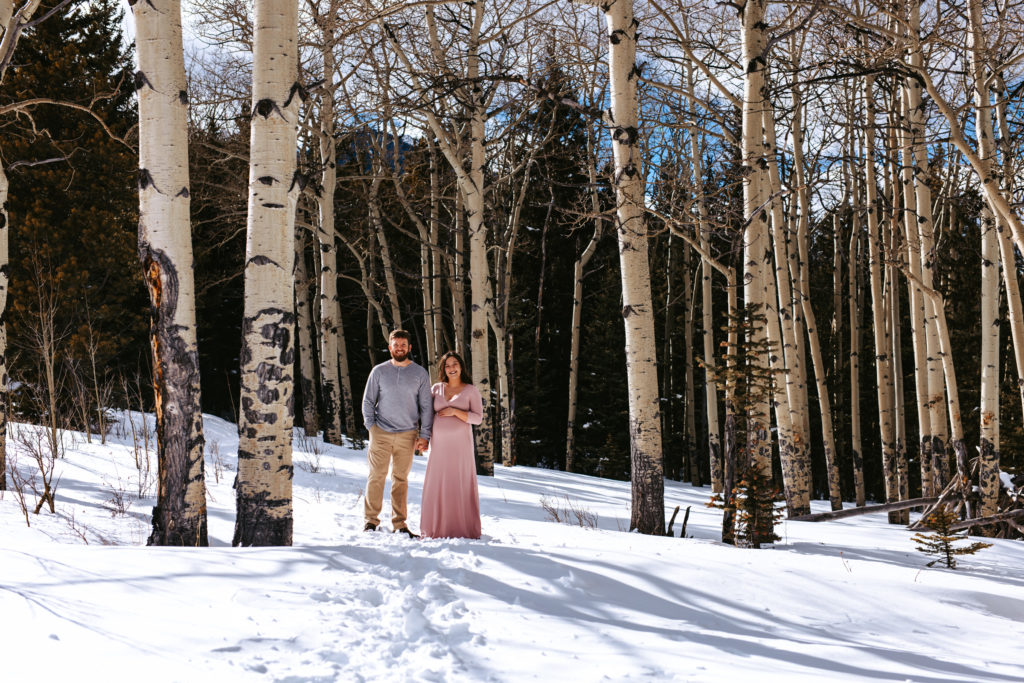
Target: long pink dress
{"type": "Point", "coordinates": [451, 503]}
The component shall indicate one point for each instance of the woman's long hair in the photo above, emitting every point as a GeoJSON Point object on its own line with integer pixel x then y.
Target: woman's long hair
{"type": "Point", "coordinates": [443, 377]}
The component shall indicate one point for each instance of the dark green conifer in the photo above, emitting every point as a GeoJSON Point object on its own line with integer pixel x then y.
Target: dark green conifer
{"type": "Point", "coordinates": [73, 203]}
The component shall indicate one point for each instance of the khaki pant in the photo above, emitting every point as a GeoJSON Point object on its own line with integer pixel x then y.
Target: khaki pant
{"type": "Point", "coordinates": [395, 449]}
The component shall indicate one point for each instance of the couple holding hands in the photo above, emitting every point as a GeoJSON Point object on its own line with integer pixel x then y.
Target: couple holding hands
{"type": "Point", "coordinates": [404, 413]}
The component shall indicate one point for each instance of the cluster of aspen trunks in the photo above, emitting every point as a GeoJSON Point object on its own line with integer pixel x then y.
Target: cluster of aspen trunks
{"type": "Point", "coordinates": [826, 112]}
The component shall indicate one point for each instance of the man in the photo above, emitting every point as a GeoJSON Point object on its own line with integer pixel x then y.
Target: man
{"type": "Point", "coordinates": [398, 411]}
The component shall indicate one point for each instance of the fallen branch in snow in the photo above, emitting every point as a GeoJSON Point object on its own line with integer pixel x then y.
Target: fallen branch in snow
{"type": "Point", "coordinates": [671, 521]}
{"type": "Point", "coordinates": [867, 509]}
{"type": "Point", "coordinates": [985, 521]}
{"type": "Point", "coordinates": [951, 488]}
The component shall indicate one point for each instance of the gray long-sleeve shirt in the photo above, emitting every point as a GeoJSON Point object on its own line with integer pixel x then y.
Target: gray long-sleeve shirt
{"type": "Point", "coordinates": [397, 399]}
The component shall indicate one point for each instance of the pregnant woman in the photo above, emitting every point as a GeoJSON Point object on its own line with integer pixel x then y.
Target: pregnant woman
{"type": "Point", "coordinates": [451, 504]}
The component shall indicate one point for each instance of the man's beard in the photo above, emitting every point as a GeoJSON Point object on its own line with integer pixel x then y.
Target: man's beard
{"type": "Point", "coordinates": [399, 355]}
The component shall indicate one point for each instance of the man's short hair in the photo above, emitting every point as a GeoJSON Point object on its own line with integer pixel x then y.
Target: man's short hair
{"type": "Point", "coordinates": [399, 334]}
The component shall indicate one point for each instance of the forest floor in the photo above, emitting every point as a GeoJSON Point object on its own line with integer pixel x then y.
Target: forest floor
{"type": "Point", "coordinates": [81, 598]}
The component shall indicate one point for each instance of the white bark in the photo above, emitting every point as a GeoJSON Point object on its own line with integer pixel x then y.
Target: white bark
{"type": "Point", "coordinates": [1015, 310]}
{"type": "Point", "coordinates": [265, 469]}
{"type": "Point", "coordinates": [165, 250]}
{"type": "Point", "coordinates": [647, 473]}
{"type": "Point", "coordinates": [756, 247]}
{"type": "Point", "coordinates": [707, 314]}
{"type": "Point", "coordinates": [577, 301]}
{"type": "Point", "coordinates": [988, 470]}
{"type": "Point", "coordinates": [334, 405]}
{"type": "Point", "coordinates": [917, 304]}
{"type": "Point", "coordinates": [883, 347]}
{"type": "Point", "coordinates": [794, 451]}
{"type": "Point", "coordinates": [803, 287]}
{"type": "Point", "coordinates": [935, 429]}
{"type": "Point", "coordinates": [853, 198]}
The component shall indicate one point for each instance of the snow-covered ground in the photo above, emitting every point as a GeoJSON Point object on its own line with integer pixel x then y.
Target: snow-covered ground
{"type": "Point", "coordinates": [82, 599]}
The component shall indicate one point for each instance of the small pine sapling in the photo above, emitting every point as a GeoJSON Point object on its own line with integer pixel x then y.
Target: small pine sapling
{"type": "Point", "coordinates": [756, 509]}
{"type": "Point", "coordinates": [749, 503]}
{"type": "Point", "coordinates": [941, 541]}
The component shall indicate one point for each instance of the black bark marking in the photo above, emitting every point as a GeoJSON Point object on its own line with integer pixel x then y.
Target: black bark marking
{"type": "Point", "coordinates": [146, 180]}
{"type": "Point", "coordinates": [262, 520]}
{"type": "Point", "coordinates": [264, 108]}
{"type": "Point", "coordinates": [253, 416]}
{"type": "Point", "coordinates": [296, 89]}
{"type": "Point", "coordinates": [267, 180]}
{"type": "Point", "coordinates": [273, 205]}
{"type": "Point", "coordinates": [141, 80]}
{"type": "Point", "coordinates": [261, 260]}
{"type": "Point", "coordinates": [183, 192]}
{"type": "Point", "coordinates": [299, 179]}
{"type": "Point", "coordinates": [179, 430]}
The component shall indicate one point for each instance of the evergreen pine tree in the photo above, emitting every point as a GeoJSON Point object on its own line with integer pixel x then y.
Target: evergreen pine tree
{"type": "Point", "coordinates": [750, 504]}
{"type": "Point", "coordinates": [73, 204]}
{"type": "Point", "coordinates": [941, 542]}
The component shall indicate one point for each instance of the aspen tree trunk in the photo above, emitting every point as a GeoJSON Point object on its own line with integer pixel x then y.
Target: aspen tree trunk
{"type": "Point", "coordinates": [988, 470]}
{"type": "Point", "coordinates": [375, 310]}
{"type": "Point", "coordinates": [436, 317]}
{"type": "Point", "coordinates": [503, 351]}
{"type": "Point", "coordinates": [854, 301]}
{"type": "Point", "coordinates": [456, 278]}
{"type": "Point", "coordinates": [756, 247]}
{"type": "Point", "coordinates": [1015, 311]}
{"type": "Point", "coordinates": [892, 306]}
{"type": "Point", "coordinates": [791, 392]}
{"type": "Point", "coordinates": [946, 355]}
{"type": "Point", "coordinates": [577, 305]}
{"type": "Point", "coordinates": [796, 487]}
{"type": "Point", "coordinates": [426, 260]}
{"type": "Point", "coordinates": [430, 316]}
{"type": "Point", "coordinates": [691, 416]}
{"type": "Point", "coordinates": [304, 328]}
{"type": "Point", "coordinates": [802, 275]}
{"type": "Point", "coordinates": [481, 289]}
{"type": "Point", "coordinates": [4, 283]}
{"type": "Point", "coordinates": [917, 304]}
{"type": "Point", "coordinates": [330, 308]}
{"type": "Point", "coordinates": [936, 388]}
{"type": "Point", "coordinates": [730, 445]}
{"type": "Point", "coordinates": [165, 250]}
{"type": "Point", "coordinates": [677, 464]}
{"type": "Point", "coordinates": [264, 481]}
{"type": "Point", "coordinates": [347, 402]}
{"type": "Point", "coordinates": [382, 240]}
{"type": "Point", "coordinates": [883, 348]}
{"type": "Point", "coordinates": [574, 345]}
{"type": "Point", "coordinates": [707, 317]}
{"type": "Point", "coordinates": [837, 307]}
{"type": "Point", "coordinates": [647, 473]}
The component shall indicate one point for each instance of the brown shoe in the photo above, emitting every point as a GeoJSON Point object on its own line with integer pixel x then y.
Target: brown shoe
{"type": "Point", "coordinates": [370, 526]}
{"type": "Point", "coordinates": [407, 531]}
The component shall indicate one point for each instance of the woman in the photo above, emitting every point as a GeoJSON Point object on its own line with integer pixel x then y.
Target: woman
{"type": "Point", "coordinates": [451, 504]}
